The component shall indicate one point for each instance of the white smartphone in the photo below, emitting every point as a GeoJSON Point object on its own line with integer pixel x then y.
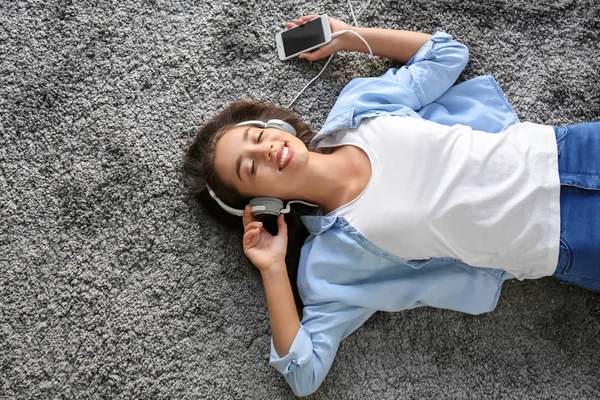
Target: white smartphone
{"type": "Point", "coordinates": [308, 36]}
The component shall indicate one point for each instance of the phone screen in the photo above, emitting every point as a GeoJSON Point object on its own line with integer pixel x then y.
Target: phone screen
{"type": "Point", "coordinates": [303, 37]}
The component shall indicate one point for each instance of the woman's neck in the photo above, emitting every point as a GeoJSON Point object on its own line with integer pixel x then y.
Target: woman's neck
{"type": "Point", "coordinates": [335, 179]}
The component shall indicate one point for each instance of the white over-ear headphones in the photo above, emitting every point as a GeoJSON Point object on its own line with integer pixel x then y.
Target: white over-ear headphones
{"type": "Point", "coordinates": [263, 207]}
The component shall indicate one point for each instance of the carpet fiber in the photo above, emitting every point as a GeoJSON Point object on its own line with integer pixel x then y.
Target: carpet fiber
{"type": "Point", "coordinates": [115, 285]}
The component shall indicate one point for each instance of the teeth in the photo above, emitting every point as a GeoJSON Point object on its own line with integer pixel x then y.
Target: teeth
{"type": "Point", "coordinates": [284, 155]}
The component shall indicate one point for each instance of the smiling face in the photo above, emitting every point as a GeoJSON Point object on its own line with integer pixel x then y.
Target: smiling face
{"type": "Point", "coordinates": [261, 162]}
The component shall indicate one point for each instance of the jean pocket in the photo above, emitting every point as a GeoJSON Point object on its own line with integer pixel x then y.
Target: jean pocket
{"type": "Point", "coordinates": [561, 133]}
{"type": "Point", "coordinates": [565, 258]}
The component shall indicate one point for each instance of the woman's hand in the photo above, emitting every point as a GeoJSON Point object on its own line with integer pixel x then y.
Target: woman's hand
{"type": "Point", "coordinates": [263, 249]}
{"type": "Point", "coordinates": [337, 44]}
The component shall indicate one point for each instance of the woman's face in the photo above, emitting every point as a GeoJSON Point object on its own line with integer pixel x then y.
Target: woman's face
{"type": "Point", "coordinates": [261, 162]}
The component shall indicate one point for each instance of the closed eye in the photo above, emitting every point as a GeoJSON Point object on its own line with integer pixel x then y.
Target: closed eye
{"type": "Point", "coordinates": [258, 139]}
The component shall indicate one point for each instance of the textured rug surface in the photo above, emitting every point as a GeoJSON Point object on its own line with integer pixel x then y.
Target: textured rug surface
{"type": "Point", "coordinates": [114, 285]}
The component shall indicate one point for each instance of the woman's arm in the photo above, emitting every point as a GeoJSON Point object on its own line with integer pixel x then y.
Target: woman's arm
{"type": "Point", "coordinates": [302, 353]}
{"type": "Point", "coordinates": [267, 253]}
{"type": "Point", "coordinates": [324, 326]}
{"type": "Point", "coordinates": [390, 43]}
{"type": "Point", "coordinates": [282, 307]}
{"type": "Point", "coordinates": [429, 70]}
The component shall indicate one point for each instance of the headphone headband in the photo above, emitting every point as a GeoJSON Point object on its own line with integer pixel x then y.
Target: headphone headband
{"type": "Point", "coordinates": [224, 206]}
{"type": "Point", "coordinates": [272, 123]}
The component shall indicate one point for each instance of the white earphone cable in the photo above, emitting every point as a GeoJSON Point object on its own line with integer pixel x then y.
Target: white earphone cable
{"type": "Point", "coordinates": [338, 33]}
{"type": "Point", "coordinates": [331, 56]}
{"type": "Point", "coordinates": [287, 208]}
{"type": "Point", "coordinates": [311, 81]}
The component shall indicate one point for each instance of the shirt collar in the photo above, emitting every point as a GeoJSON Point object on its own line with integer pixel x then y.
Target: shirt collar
{"type": "Point", "coordinates": [342, 120]}
{"type": "Point", "coordinates": [349, 119]}
{"type": "Point", "coordinates": [317, 224]}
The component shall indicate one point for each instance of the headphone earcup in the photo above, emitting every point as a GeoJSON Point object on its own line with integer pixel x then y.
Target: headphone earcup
{"type": "Point", "coordinates": [266, 207]}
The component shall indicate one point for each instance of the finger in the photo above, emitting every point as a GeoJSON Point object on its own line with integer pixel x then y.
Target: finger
{"type": "Point", "coordinates": [281, 227]}
{"type": "Point", "coordinates": [299, 21]}
{"type": "Point", "coordinates": [306, 18]}
{"type": "Point", "coordinates": [247, 217]}
{"type": "Point", "coordinates": [251, 239]}
{"type": "Point", "coordinates": [319, 53]}
{"type": "Point", "coordinates": [253, 225]}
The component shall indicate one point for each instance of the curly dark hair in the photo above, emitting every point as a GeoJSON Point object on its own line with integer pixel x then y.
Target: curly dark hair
{"type": "Point", "coordinates": [199, 170]}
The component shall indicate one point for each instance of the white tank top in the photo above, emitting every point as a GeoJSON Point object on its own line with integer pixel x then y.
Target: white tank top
{"type": "Point", "coordinates": [490, 200]}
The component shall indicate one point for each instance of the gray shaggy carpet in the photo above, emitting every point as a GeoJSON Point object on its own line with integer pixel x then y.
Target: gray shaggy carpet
{"type": "Point", "coordinates": [113, 284]}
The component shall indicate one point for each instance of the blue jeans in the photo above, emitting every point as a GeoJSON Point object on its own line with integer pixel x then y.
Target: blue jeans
{"type": "Point", "coordinates": [579, 171]}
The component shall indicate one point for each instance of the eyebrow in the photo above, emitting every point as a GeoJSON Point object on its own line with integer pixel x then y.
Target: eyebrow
{"type": "Point", "coordinates": [238, 163]}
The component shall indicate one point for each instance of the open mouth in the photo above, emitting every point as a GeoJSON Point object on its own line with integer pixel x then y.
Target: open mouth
{"type": "Point", "coordinates": [284, 155]}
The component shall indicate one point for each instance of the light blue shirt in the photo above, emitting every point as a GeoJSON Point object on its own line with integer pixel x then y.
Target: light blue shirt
{"type": "Point", "coordinates": [342, 277]}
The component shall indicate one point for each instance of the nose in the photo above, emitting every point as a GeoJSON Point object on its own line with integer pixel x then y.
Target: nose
{"type": "Point", "coordinates": [263, 151]}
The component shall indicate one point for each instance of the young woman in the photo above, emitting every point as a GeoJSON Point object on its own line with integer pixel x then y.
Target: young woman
{"type": "Point", "coordinates": [429, 195]}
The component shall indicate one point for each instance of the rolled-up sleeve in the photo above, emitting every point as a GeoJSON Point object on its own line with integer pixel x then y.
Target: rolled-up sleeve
{"type": "Point", "coordinates": [426, 76]}
{"type": "Point", "coordinates": [432, 70]}
{"type": "Point", "coordinates": [311, 354]}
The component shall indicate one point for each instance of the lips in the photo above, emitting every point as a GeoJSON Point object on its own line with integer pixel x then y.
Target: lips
{"type": "Point", "coordinates": [284, 156]}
